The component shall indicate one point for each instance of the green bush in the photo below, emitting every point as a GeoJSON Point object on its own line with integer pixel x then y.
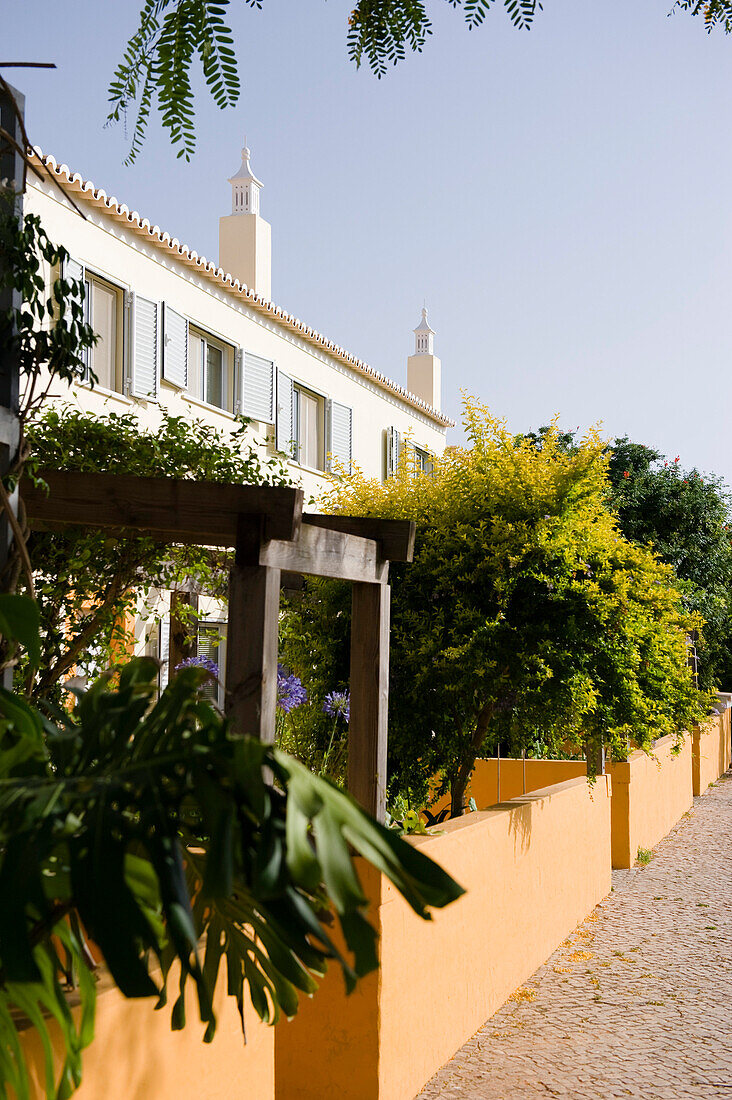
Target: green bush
{"type": "Point", "coordinates": [526, 615]}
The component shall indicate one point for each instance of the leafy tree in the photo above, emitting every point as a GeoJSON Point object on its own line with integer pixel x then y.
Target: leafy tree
{"type": "Point", "coordinates": [526, 615]}
{"type": "Point", "coordinates": [685, 518]}
{"type": "Point", "coordinates": [86, 580]}
{"type": "Point", "coordinates": [159, 57]}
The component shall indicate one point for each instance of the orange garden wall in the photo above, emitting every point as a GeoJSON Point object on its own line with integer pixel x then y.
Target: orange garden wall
{"type": "Point", "coordinates": [495, 781]}
{"type": "Point", "coordinates": [710, 751]}
{"type": "Point", "coordinates": [533, 869]}
{"type": "Point", "coordinates": [507, 775]}
{"type": "Point", "coordinates": [135, 1055]}
{"type": "Point", "coordinates": [533, 866]}
{"type": "Point", "coordinates": [650, 794]}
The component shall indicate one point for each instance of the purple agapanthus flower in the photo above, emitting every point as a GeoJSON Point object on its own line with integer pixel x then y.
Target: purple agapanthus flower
{"type": "Point", "coordinates": [290, 692]}
{"type": "Point", "coordinates": [200, 662]}
{"type": "Point", "coordinates": [338, 704]}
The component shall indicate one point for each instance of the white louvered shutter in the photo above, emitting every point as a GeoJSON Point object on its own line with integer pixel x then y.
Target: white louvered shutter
{"type": "Point", "coordinates": [144, 348]}
{"type": "Point", "coordinates": [393, 449]}
{"type": "Point", "coordinates": [340, 437]}
{"type": "Point", "coordinates": [209, 644]}
{"type": "Point", "coordinates": [238, 380]}
{"type": "Point", "coordinates": [258, 389]}
{"type": "Point", "coordinates": [164, 653]}
{"type": "Point", "coordinates": [285, 419]}
{"type": "Point", "coordinates": [73, 270]}
{"type": "Point", "coordinates": [175, 347]}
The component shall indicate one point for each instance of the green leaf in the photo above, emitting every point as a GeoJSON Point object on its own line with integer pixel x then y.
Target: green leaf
{"type": "Point", "coordinates": [20, 622]}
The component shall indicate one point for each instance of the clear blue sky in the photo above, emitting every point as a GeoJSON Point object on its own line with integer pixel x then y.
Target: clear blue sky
{"type": "Point", "coordinates": [561, 198]}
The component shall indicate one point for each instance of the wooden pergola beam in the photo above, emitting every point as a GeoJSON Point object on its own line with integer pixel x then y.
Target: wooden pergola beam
{"type": "Point", "coordinates": [395, 537]}
{"type": "Point", "coordinates": [198, 512]}
{"type": "Point", "coordinates": [321, 553]}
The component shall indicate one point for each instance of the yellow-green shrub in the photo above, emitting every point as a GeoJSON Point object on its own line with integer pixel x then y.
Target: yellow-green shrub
{"type": "Point", "coordinates": [525, 614]}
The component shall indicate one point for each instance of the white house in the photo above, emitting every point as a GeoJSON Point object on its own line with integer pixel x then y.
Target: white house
{"type": "Point", "coordinates": [181, 333]}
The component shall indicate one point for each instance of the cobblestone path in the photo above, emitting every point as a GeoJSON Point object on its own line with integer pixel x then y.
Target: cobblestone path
{"type": "Point", "coordinates": [638, 1001]}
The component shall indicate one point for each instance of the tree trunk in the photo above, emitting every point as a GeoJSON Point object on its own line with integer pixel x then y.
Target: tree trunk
{"type": "Point", "coordinates": [460, 782]}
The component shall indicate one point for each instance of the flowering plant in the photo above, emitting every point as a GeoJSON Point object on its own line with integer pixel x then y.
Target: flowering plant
{"type": "Point", "coordinates": [207, 663]}
{"type": "Point", "coordinates": [290, 691]}
{"type": "Point", "coordinates": [338, 704]}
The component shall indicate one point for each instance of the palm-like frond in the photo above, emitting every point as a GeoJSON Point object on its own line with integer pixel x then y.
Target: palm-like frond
{"type": "Point", "coordinates": [144, 823]}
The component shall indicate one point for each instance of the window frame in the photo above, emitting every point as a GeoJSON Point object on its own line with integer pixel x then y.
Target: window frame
{"type": "Point", "coordinates": [301, 388]}
{"type": "Point", "coordinates": [423, 463]}
{"type": "Point", "coordinates": [219, 625]}
{"type": "Point", "coordinates": [121, 341]}
{"type": "Point", "coordinates": [228, 358]}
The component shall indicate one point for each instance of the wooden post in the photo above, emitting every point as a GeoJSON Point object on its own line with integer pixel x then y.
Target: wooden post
{"type": "Point", "coordinates": [251, 640]}
{"type": "Point", "coordinates": [367, 730]}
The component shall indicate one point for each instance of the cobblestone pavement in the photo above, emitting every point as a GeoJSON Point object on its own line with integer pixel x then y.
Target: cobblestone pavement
{"type": "Point", "coordinates": [638, 1001]}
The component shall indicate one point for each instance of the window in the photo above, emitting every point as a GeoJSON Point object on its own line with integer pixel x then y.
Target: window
{"type": "Point", "coordinates": [210, 370]}
{"type": "Point", "coordinates": [308, 424]}
{"type": "Point", "coordinates": [422, 462]}
{"type": "Point", "coordinates": [212, 644]}
{"type": "Point", "coordinates": [104, 309]}
{"type": "Point", "coordinates": [393, 451]}
{"type": "Point", "coordinates": [157, 645]}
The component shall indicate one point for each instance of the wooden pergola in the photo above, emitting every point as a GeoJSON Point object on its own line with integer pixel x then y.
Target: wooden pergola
{"type": "Point", "coordinates": [273, 540]}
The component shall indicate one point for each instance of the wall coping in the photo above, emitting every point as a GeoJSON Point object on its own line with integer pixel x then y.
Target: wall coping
{"type": "Point", "coordinates": [493, 813]}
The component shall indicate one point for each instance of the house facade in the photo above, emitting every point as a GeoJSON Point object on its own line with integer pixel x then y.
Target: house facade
{"type": "Point", "coordinates": [180, 333]}
{"type": "Point", "coordinates": [201, 340]}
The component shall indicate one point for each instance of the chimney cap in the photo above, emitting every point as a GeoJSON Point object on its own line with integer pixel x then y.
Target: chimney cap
{"type": "Point", "coordinates": [245, 169]}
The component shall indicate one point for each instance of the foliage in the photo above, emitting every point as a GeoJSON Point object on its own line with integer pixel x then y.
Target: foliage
{"type": "Point", "coordinates": [715, 13]}
{"type": "Point", "coordinates": [44, 332]}
{"type": "Point", "coordinates": [86, 580]}
{"type": "Point", "coordinates": [685, 518]}
{"type": "Point", "coordinates": [309, 733]}
{"type": "Point", "coordinates": [159, 57]}
{"type": "Point", "coordinates": [312, 730]}
{"type": "Point", "coordinates": [525, 615]}
{"type": "Point", "coordinates": [146, 825]}
{"type": "Point", "coordinates": [158, 61]}
{"type": "Point", "coordinates": [43, 329]}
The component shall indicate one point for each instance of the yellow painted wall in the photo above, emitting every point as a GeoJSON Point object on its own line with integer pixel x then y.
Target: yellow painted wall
{"type": "Point", "coordinates": [331, 1048]}
{"type": "Point", "coordinates": [495, 781]}
{"type": "Point", "coordinates": [135, 1055]}
{"type": "Point", "coordinates": [650, 794]}
{"type": "Point", "coordinates": [533, 869]}
{"type": "Point", "coordinates": [710, 751]}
